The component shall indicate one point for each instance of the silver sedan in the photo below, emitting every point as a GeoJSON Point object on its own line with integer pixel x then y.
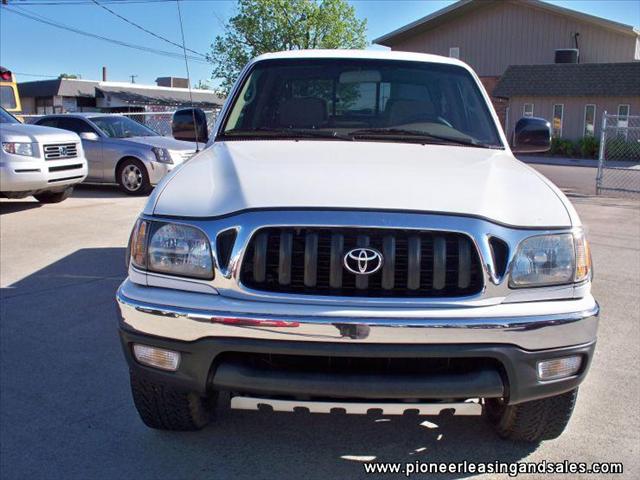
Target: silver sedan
{"type": "Point", "coordinates": [123, 151]}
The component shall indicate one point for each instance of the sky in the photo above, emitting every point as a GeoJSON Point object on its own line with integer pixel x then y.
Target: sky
{"type": "Point", "coordinates": [35, 51]}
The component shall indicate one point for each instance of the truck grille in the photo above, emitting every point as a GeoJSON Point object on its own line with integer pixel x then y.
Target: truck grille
{"type": "Point", "coordinates": [311, 261]}
{"type": "Point", "coordinates": [60, 151]}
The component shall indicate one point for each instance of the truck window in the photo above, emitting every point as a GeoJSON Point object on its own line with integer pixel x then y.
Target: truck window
{"type": "Point", "coordinates": [347, 95]}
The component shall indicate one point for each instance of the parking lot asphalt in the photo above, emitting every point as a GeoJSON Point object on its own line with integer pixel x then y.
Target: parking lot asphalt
{"type": "Point", "coordinates": [66, 410]}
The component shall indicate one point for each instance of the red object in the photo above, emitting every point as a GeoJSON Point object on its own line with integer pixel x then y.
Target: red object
{"type": "Point", "coordinates": [6, 75]}
{"type": "Point", "coordinates": [249, 322]}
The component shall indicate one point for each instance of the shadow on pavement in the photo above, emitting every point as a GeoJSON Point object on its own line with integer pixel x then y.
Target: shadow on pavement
{"type": "Point", "coordinates": [98, 191]}
{"type": "Point", "coordinates": [14, 206]}
{"type": "Point", "coordinates": [66, 409]}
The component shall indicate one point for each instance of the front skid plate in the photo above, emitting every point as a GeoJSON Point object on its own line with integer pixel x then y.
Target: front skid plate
{"type": "Point", "coordinates": [359, 408]}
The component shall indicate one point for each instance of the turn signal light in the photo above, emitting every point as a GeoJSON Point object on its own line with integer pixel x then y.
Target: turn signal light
{"type": "Point", "coordinates": [156, 357]}
{"type": "Point", "coordinates": [583, 258]}
{"type": "Point", "coordinates": [559, 368]}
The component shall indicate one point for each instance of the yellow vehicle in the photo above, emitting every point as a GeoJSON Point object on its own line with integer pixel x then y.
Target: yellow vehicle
{"type": "Point", "coordinates": [9, 97]}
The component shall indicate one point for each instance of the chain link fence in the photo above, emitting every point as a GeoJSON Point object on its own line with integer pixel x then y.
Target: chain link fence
{"type": "Point", "coordinates": [619, 159]}
{"type": "Point", "coordinates": [159, 122]}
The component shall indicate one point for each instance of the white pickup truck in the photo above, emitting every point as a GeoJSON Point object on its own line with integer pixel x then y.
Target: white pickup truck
{"type": "Point", "coordinates": [359, 237]}
{"type": "Point", "coordinates": [40, 161]}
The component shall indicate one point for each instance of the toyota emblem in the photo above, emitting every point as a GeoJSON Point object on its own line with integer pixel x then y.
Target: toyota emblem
{"type": "Point", "coordinates": [363, 261]}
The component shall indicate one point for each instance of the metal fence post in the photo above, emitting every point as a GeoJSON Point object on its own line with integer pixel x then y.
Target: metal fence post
{"type": "Point", "coordinates": [601, 152]}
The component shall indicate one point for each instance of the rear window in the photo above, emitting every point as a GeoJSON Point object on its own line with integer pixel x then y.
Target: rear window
{"type": "Point", "coordinates": [7, 97]}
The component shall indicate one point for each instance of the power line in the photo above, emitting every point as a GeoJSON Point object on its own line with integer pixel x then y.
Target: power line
{"type": "Point", "coordinates": [90, 2]}
{"type": "Point", "coordinates": [53, 23]}
{"type": "Point", "coordinates": [146, 30]}
{"type": "Point", "coordinates": [22, 74]}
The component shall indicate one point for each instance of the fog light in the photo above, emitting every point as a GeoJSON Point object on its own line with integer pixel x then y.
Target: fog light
{"type": "Point", "coordinates": [156, 357]}
{"type": "Point", "coordinates": [559, 368]}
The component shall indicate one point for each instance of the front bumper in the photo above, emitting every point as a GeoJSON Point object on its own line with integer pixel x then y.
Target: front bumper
{"type": "Point", "coordinates": [510, 337]}
{"type": "Point", "coordinates": [36, 175]}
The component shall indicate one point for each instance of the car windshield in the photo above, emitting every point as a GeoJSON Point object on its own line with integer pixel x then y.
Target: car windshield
{"type": "Point", "coordinates": [6, 117]}
{"type": "Point", "coordinates": [360, 99]}
{"type": "Point", "coordinates": [122, 127]}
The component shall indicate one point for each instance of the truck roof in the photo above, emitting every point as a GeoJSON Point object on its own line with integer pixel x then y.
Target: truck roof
{"type": "Point", "coordinates": [361, 54]}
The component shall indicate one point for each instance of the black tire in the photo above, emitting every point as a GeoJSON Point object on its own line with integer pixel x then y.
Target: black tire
{"type": "Point", "coordinates": [533, 421]}
{"type": "Point", "coordinates": [54, 197]}
{"type": "Point", "coordinates": [133, 178]}
{"type": "Point", "coordinates": [163, 407]}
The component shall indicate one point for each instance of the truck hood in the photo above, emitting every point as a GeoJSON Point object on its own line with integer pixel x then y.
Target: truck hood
{"type": "Point", "coordinates": [21, 132]}
{"type": "Point", "coordinates": [238, 175]}
{"type": "Point", "coordinates": [161, 142]}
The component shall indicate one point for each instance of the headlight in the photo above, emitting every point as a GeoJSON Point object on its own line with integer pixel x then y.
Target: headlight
{"type": "Point", "coordinates": [25, 149]}
{"type": "Point", "coordinates": [551, 260]}
{"type": "Point", "coordinates": [172, 249]}
{"type": "Point", "coordinates": [162, 155]}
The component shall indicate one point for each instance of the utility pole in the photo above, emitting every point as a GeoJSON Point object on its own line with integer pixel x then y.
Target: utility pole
{"type": "Point", "coordinates": [133, 78]}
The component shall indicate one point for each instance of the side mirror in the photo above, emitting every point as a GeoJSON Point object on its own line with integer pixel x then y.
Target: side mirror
{"type": "Point", "coordinates": [190, 124]}
{"type": "Point", "coordinates": [531, 135]}
{"type": "Point", "coordinates": [89, 136]}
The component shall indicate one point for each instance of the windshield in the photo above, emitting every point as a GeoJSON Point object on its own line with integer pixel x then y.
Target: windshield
{"type": "Point", "coordinates": [6, 117]}
{"type": "Point", "coordinates": [354, 99]}
{"type": "Point", "coordinates": [122, 127]}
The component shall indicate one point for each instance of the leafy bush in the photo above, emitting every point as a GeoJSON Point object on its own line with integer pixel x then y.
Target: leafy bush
{"type": "Point", "coordinates": [562, 147]}
{"type": "Point", "coordinates": [588, 147]}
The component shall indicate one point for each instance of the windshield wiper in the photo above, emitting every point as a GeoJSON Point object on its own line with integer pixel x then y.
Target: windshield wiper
{"type": "Point", "coordinates": [417, 134]}
{"type": "Point", "coordinates": [291, 132]}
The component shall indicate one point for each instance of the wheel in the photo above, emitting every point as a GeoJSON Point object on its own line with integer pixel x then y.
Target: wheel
{"type": "Point", "coordinates": [533, 421]}
{"type": "Point", "coordinates": [133, 177]}
{"type": "Point", "coordinates": [54, 197]}
{"type": "Point", "coordinates": [163, 407]}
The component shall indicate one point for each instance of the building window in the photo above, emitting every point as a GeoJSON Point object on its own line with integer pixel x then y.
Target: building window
{"type": "Point", "coordinates": [589, 120]}
{"type": "Point", "coordinates": [527, 110]}
{"type": "Point", "coordinates": [454, 52]}
{"type": "Point", "coordinates": [44, 105]}
{"type": "Point", "coordinates": [623, 116]}
{"type": "Point", "coordinates": [558, 110]}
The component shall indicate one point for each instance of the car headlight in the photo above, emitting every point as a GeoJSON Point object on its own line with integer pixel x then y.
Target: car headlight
{"type": "Point", "coordinates": [25, 149]}
{"type": "Point", "coordinates": [551, 260]}
{"type": "Point", "coordinates": [172, 249]}
{"type": "Point", "coordinates": [162, 155]}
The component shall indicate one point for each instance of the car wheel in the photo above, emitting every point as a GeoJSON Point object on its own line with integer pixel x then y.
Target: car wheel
{"type": "Point", "coordinates": [54, 197]}
{"type": "Point", "coordinates": [133, 177]}
{"type": "Point", "coordinates": [164, 407]}
{"type": "Point", "coordinates": [534, 421]}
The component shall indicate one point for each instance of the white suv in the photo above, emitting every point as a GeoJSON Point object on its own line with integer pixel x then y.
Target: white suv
{"type": "Point", "coordinates": [40, 161]}
{"type": "Point", "coordinates": [359, 237]}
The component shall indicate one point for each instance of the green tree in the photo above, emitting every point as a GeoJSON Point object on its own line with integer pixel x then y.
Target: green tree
{"type": "Point", "coordinates": [69, 75]}
{"type": "Point", "coordinates": [262, 26]}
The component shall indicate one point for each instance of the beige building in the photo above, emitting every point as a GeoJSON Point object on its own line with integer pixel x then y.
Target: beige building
{"type": "Point", "coordinates": [573, 96]}
{"type": "Point", "coordinates": [494, 35]}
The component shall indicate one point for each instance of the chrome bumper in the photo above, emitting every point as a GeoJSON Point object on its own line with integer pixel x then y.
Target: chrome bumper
{"type": "Point", "coordinates": [189, 316]}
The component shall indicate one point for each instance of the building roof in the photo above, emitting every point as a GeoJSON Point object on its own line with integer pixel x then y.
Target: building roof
{"type": "Point", "coordinates": [570, 80]}
{"type": "Point", "coordinates": [63, 87]}
{"type": "Point", "coordinates": [152, 95]}
{"type": "Point", "coordinates": [461, 7]}
{"type": "Point", "coordinates": [128, 92]}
